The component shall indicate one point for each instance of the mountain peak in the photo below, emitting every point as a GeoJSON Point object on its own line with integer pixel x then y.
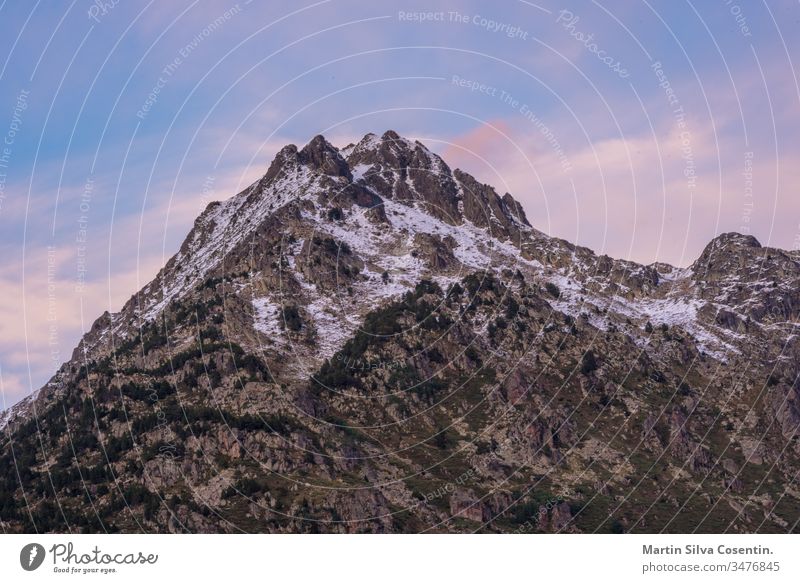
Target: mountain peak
{"type": "Point", "coordinates": [372, 291]}
{"type": "Point", "coordinates": [391, 135]}
{"type": "Point", "coordinates": [390, 148]}
{"type": "Point", "coordinates": [733, 239]}
{"type": "Point", "coordinates": [724, 249]}
{"type": "Point", "coordinates": [321, 155]}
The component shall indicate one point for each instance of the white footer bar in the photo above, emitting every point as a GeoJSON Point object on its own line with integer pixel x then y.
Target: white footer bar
{"type": "Point", "coordinates": [379, 558]}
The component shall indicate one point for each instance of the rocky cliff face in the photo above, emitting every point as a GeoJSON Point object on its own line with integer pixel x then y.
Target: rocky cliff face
{"type": "Point", "coordinates": [367, 341]}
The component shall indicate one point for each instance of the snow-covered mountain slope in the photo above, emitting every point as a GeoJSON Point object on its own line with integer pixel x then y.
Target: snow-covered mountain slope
{"type": "Point", "coordinates": [403, 215]}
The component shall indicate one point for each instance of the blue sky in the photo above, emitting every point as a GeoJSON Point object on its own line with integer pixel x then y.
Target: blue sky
{"type": "Point", "coordinates": [641, 130]}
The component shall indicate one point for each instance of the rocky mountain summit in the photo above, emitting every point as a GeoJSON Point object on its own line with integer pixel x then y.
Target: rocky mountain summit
{"type": "Point", "coordinates": [365, 340]}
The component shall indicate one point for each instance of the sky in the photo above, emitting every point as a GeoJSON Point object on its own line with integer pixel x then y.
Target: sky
{"type": "Point", "coordinates": [639, 129]}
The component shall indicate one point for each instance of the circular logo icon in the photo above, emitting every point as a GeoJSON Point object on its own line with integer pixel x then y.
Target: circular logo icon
{"type": "Point", "coordinates": [31, 556]}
